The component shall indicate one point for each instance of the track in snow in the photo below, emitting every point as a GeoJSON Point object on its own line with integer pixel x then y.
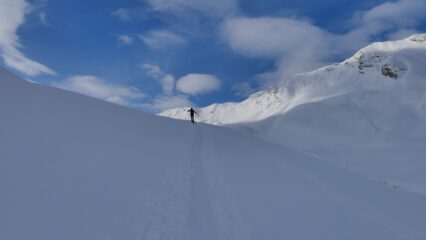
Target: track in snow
{"type": "Point", "coordinates": [194, 201]}
{"type": "Point", "coordinates": [212, 187]}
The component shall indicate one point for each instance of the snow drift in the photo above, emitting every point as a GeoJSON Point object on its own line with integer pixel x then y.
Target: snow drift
{"type": "Point", "coordinates": [367, 113]}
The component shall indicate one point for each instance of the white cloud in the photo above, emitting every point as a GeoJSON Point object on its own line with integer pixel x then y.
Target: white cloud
{"type": "Point", "coordinates": [194, 84]}
{"type": "Point", "coordinates": [98, 88]}
{"type": "Point", "coordinates": [166, 80]}
{"type": "Point", "coordinates": [299, 46]}
{"type": "Point", "coordinates": [153, 70]}
{"type": "Point", "coordinates": [124, 95]}
{"type": "Point", "coordinates": [122, 13]}
{"type": "Point", "coordinates": [402, 13]}
{"type": "Point", "coordinates": [392, 18]}
{"type": "Point", "coordinates": [270, 37]}
{"type": "Point", "coordinates": [12, 15]}
{"type": "Point", "coordinates": [125, 40]}
{"type": "Point", "coordinates": [215, 8]}
{"type": "Point", "coordinates": [191, 84]}
{"type": "Point", "coordinates": [401, 34]}
{"type": "Point", "coordinates": [127, 14]}
{"type": "Point", "coordinates": [243, 89]}
{"type": "Point", "coordinates": [295, 45]}
{"type": "Point", "coordinates": [161, 39]}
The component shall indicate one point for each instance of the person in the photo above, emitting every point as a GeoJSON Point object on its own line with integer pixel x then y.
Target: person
{"type": "Point", "coordinates": [191, 113]}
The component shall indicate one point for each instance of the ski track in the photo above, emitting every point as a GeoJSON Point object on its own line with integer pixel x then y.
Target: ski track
{"type": "Point", "coordinates": [229, 222]}
{"type": "Point", "coordinates": [167, 206]}
{"type": "Point", "coordinates": [190, 189]}
{"type": "Point", "coordinates": [200, 193]}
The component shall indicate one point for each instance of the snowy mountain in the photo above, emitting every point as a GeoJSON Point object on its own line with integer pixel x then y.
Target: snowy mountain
{"type": "Point", "coordinates": [74, 167]}
{"type": "Point", "coordinates": [367, 113]}
{"type": "Point", "coordinates": [371, 68]}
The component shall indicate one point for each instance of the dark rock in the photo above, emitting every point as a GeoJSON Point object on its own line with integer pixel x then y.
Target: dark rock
{"type": "Point", "coordinates": [389, 71]}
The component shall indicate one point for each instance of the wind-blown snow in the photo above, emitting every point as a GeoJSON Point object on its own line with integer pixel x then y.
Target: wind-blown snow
{"type": "Point", "coordinates": [367, 113]}
{"type": "Point", "coordinates": [73, 167]}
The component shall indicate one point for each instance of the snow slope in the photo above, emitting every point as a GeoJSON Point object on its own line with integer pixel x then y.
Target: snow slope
{"type": "Point", "coordinates": [367, 113]}
{"type": "Point", "coordinates": [74, 167]}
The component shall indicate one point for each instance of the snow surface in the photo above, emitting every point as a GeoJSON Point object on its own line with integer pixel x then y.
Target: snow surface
{"type": "Point", "coordinates": [74, 167]}
{"type": "Point", "coordinates": [367, 113]}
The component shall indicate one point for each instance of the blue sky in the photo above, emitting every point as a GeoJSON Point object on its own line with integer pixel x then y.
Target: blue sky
{"type": "Point", "coordinates": [158, 54]}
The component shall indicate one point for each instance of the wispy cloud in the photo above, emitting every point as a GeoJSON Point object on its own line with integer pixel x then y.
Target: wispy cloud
{"type": "Point", "coordinates": [43, 18]}
{"type": "Point", "coordinates": [389, 17]}
{"type": "Point", "coordinates": [217, 8]}
{"type": "Point", "coordinates": [125, 39]}
{"type": "Point", "coordinates": [167, 99]}
{"type": "Point", "coordinates": [401, 34]}
{"type": "Point", "coordinates": [297, 44]}
{"type": "Point", "coordinates": [162, 39]}
{"type": "Point", "coordinates": [12, 15]}
{"type": "Point", "coordinates": [99, 88]}
{"type": "Point", "coordinates": [163, 103]}
{"type": "Point", "coordinates": [243, 89]}
{"type": "Point", "coordinates": [122, 13]}
{"type": "Point", "coordinates": [128, 14]}
{"type": "Point", "coordinates": [166, 80]}
{"type": "Point", "coordinates": [402, 13]}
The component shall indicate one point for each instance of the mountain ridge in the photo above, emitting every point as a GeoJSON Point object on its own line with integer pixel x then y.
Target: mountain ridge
{"type": "Point", "coordinates": [278, 100]}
